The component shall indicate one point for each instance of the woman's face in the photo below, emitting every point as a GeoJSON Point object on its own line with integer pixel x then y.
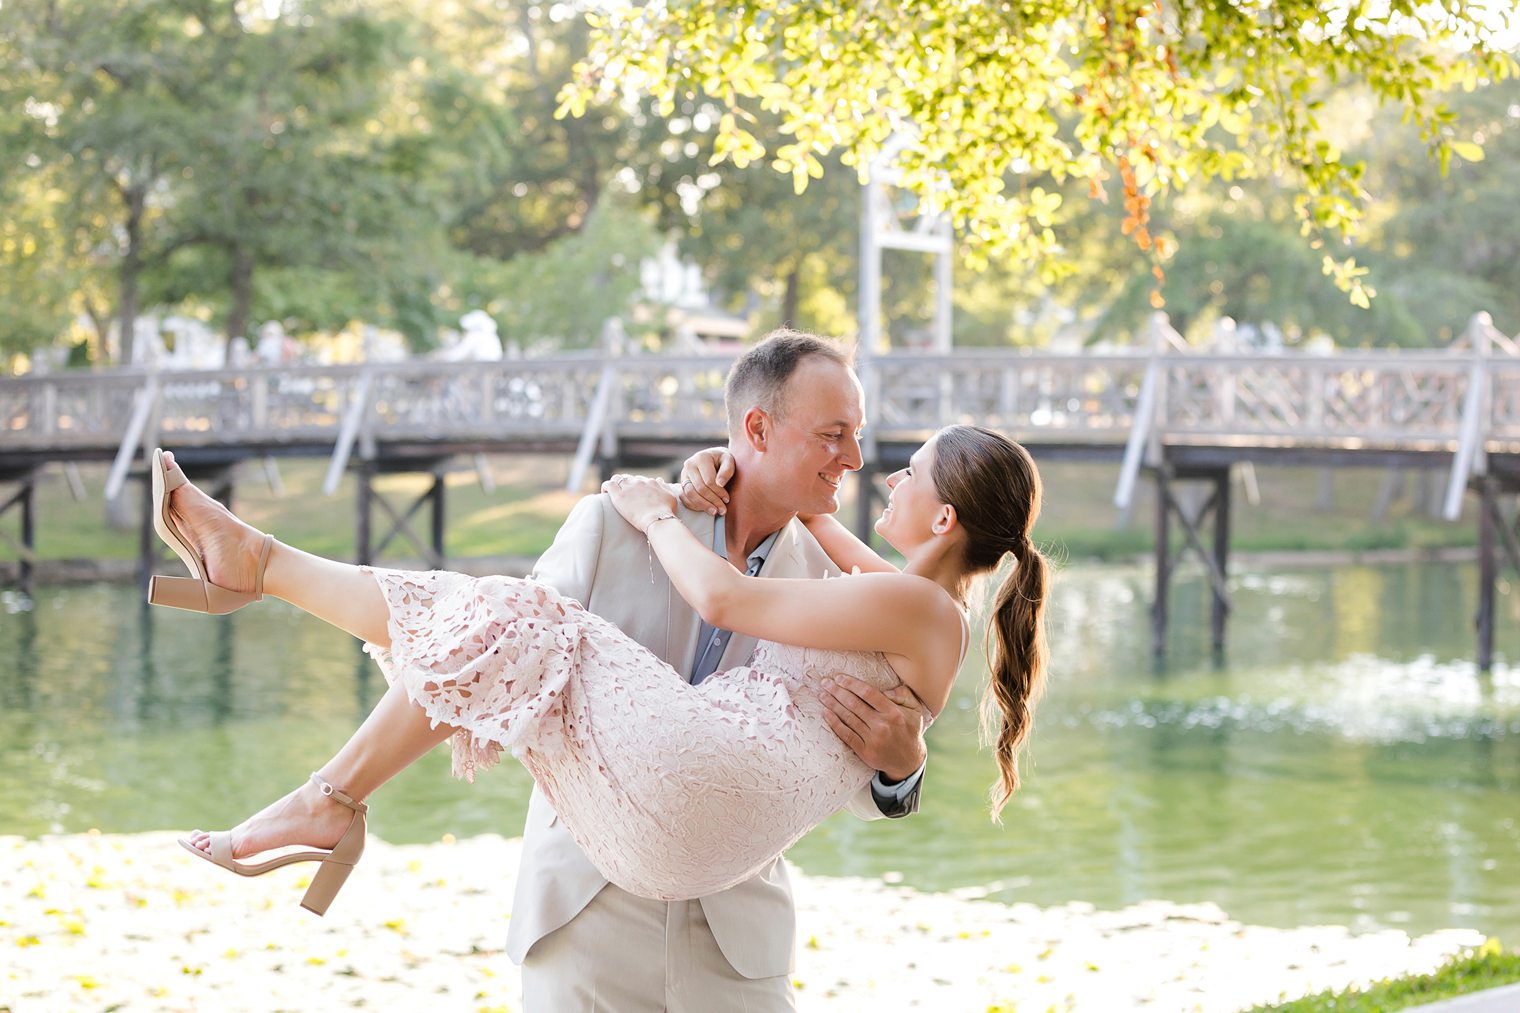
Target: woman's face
{"type": "Point", "coordinates": [913, 503]}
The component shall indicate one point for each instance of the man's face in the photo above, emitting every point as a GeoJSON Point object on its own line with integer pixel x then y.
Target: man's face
{"type": "Point", "coordinates": [816, 439]}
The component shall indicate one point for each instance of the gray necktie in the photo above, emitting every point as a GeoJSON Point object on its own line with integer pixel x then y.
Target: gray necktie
{"type": "Point", "coordinates": [710, 651]}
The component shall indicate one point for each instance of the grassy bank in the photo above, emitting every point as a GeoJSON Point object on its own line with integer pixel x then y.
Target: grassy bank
{"type": "Point", "coordinates": [520, 516]}
{"type": "Point", "coordinates": [1486, 967]}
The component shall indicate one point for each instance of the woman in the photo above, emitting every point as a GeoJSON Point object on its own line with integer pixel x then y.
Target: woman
{"type": "Point", "coordinates": [644, 768]}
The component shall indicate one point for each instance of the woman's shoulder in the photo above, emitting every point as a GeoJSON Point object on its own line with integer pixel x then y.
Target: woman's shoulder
{"type": "Point", "coordinates": [909, 586]}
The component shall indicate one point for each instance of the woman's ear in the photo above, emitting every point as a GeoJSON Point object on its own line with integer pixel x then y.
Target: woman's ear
{"type": "Point", "coordinates": [944, 521]}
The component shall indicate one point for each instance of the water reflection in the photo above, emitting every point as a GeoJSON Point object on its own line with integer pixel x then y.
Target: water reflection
{"type": "Point", "coordinates": [1344, 763]}
{"type": "Point", "coordinates": [21, 617]}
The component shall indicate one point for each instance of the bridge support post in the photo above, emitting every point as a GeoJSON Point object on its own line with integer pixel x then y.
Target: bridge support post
{"type": "Point", "coordinates": [1219, 602]}
{"type": "Point", "coordinates": [23, 500]}
{"type": "Point", "coordinates": [1488, 570]}
{"type": "Point", "coordinates": [363, 494]}
{"type": "Point", "coordinates": [368, 497]}
{"type": "Point", "coordinates": [1497, 535]}
{"type": "Point", "coordinates": [436, 494]}
{"type": "Point", "coordinates": [866, 500]}
{"type": "Point", "coordinates": [147, 540]}
{"type": "Point", "coordinates": [1194, 512]}
{"type": "Point", "coordinates": [1163, 561]}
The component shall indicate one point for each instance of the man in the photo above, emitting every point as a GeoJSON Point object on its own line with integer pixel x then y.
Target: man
{"type": "Point", "coordinates": [794, 416]}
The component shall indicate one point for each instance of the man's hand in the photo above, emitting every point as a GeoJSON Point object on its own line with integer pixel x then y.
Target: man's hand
{"type": "Point", "coordinates": [886, 730]}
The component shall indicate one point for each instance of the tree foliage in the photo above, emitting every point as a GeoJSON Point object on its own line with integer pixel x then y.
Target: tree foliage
{"type": "Point", "coordinates": [309, 161]}
{"type": "Point", "coordinates": [1006, 103]}
{"type": "Point", "coordinates": [400, 162]}
{"type": "Point", "coordinates": [1441, 246]}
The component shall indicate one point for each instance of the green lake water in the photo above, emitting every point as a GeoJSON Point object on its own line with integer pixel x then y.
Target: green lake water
{"type": "Point", "coordinates": [1344, 763]}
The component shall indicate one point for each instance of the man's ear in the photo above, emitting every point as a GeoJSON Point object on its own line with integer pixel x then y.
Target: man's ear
{"type": "Point", "coordinates": [945, 521]}
{"type": "Point", "coordinates": [757, 429]}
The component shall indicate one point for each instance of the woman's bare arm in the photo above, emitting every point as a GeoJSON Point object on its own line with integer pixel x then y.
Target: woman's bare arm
{"type": "Point", "coordinates": [704, 476]}
{"type": "Point", "coordinates": [848, 552]}
{"type": "Point", "coordinates": [894, 613]}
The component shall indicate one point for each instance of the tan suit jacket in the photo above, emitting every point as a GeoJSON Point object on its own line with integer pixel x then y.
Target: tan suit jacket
{"type": "Point", "coordinates": [606, 564]}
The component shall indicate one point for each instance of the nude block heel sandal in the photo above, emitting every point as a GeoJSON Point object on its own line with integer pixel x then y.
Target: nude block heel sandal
{"type": "Point", "coordinates": [336, 864]}
{"type": "Point", "coordinates": [193, 594]}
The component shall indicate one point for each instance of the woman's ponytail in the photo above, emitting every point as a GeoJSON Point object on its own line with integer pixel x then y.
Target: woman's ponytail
{"type": "Point", "coordinates": [995, 488]}
{"type": "Point", "coordinates": [1016, 668]}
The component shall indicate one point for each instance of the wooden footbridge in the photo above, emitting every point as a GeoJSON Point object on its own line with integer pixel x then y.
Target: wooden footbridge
{"type": "Point", "coordinates": [1182, 417]}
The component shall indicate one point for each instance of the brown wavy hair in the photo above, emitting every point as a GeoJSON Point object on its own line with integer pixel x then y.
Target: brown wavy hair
{"type": "Point", "coordinates": [995, 489]}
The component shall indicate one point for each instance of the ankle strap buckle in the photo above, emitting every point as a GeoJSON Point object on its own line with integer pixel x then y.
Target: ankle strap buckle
{"type": "Point", "coordinates": [336, 795]}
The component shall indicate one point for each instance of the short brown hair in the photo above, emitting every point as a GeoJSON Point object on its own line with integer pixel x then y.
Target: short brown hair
{"type": "Point", "coordinates": [758, 378]}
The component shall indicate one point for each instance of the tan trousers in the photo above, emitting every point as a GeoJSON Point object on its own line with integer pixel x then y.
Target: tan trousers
{"type": "Point", "coordinates": [626, 954]}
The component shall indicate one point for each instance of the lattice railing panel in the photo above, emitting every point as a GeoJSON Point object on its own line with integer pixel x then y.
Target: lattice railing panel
{"type": "Point", "coordinates": [1385, 399]}
{"type": "Point", "coordinates": [674, 397]}
{"type": "Point", "coordinates": [1504, 405]}
{"type": "Point", "coordinates": [1018, 393]}
{"type": "Point", "coordinates": [67, 409]}
{"type": "Point", "coordinates": [483, 400]}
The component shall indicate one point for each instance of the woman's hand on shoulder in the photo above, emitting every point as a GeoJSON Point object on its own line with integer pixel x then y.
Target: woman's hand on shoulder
{"type": "Point", "coordinates": [640, 500]}
{"type": "Point", "coordinates": [704, 476]}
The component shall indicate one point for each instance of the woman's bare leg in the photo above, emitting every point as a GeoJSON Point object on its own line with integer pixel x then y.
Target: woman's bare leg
{"type": "Point", "coordinates": [395, 735]}
{"type": "Point", "coordinates": [339, 593]}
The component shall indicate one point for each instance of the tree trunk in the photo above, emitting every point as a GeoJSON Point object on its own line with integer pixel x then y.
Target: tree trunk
{"type": "Point", "coordinates": [128, 276]}
{"type": "Point", "coordinates": [790, 296]}
{"type": "Point", "coordinates": [241, 279]}
{"type": "Point", "coordinates": [100, 319]}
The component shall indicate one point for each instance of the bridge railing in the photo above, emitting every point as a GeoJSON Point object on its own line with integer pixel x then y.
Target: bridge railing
{"type": "Point", "coordinates": [1082, 397]}
{"type": "Point", "coordinates": [1443, 401]}
{"type": "Point", "coordinates": [1391, 397]}
{"type": "Point", "coordinates": [66, 409]}
{"type": "Point", "coordinates": [1364, 398]}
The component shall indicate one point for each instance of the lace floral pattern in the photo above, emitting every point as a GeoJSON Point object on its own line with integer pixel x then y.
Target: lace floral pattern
{"type": "Point", "coordinates": [674, 791]}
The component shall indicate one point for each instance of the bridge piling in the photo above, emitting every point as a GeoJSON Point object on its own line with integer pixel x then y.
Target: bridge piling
{"type": "Point", "coordinates": [1498, 541]}
{"type": "Point", "coordinates": [367, 498]}
{"type": "Point", "coordinates": [1213, 509]}
{"type": "Point", "coordinates": [1163, 562]}
{"type": "Point", "coordinates": [24, 501]}
{"type": "Point", "coordinates": [362, 496]}
{"type": "Point", "coordinates": [1219, 606]}
{"type": "Point", "coordinates": [866, 499]}
{"type": "Point", "coordinates": [1487, 572]}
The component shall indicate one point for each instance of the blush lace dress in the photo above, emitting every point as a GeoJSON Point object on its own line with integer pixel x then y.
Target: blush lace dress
{"type": "Point", "coordinates": [673, 791]}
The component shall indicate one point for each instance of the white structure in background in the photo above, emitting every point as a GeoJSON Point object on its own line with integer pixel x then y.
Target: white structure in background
{"type": "Point", "coordinates": [881, 229]}
{"type": "Point", "coordinates": [238, 353]}
{"type": "Point", "coordinates": [195, 346]}
{"type": "Point", "coordinates": [676, 288]}
{"type": "Point", "coordinates": [480, 341]}
{"type": "Point", "coordinates": [275, 347]}
{"type": "Point", "coordinates": [1230, 337]}
{"type": "Point", "coordinates": [668, 278]}
{"type": "Point", "coordinates": [381, 346]}
{"type": "Point", "coordinates": [148, 349]}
